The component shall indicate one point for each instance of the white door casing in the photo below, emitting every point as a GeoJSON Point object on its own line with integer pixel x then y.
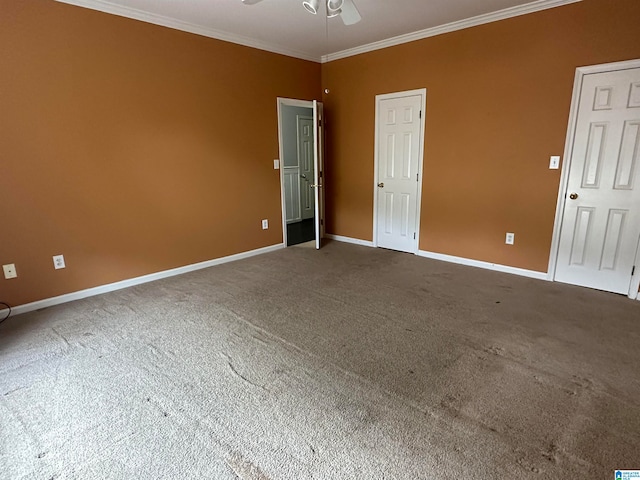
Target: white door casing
{"type": "Point", "coordinates": [306, 164]}
{"type": "Point", "coordinates": [318, 158]}
{"type": "Point", "coordinates": [398, 169]}
{"type": "Point", "coordinates": [600, 221]}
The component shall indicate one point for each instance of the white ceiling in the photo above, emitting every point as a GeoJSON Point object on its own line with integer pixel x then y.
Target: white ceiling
{"type": "Point", "coordinates": [284, 26]}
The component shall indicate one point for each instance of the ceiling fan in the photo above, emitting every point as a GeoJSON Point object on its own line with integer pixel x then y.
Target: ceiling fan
{"type": "Point", "coordinates": [345, 9]}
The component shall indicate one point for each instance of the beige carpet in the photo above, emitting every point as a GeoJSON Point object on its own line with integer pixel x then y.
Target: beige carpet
{"type": "Point", "coordinates": [345, 363]}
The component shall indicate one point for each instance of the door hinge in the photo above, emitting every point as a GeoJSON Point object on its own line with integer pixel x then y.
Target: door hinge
{"type": "Point", "coordinates": [321, 221]}
{"type": "Point", "coordinates": [420, 115]}
{"type": "Point", "coordinates": [633, 270]}
{"type": "Point", "coordinates": [417, 175]}
{"type": "Point", "coordinates": [414, 235]}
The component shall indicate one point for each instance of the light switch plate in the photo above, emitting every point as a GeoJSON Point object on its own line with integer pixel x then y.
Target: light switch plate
{"type": "Point", "coordinates": [9, 271]}
{"type": "Point", "coordinates": [510, 238]}
{"type": "Point", "coordinates": [554, 162]}
{"type": "Point", "coordinates": [265, 224]}
{"type": "Point", "coordinates": [276, 164]}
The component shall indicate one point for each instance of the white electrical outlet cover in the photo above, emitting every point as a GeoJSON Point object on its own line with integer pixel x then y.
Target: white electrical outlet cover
{"type": "Point", "coordinates": [58, 262]}
{"type": "Point", "coordinates": [276, 164]}
{"type": "Point", "coordinates": [554, 162]}
{"type": "Point", "coordinates": [9, 271]}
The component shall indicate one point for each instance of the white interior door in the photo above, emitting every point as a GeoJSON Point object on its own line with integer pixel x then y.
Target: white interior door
{"type": "Point", "coordinates": [318, 160]}
{"type": "Point", "coordinates": [399, 139]}
{"type": "Point", "coordinates": [306, 162]}
{"type": "Point", "coordinates": [291, 183]}
{"type": "Point", "coordinates": [601, 221]}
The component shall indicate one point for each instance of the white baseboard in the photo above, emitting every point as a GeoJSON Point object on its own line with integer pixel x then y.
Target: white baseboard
{"type": "Point", "coordinates": [90, 292]}
{"type": "Point", "coordinates": [486, 265]}
{"type": "Point", "coordinates": [355, 241]}
{"type": "Point", "coordinates": [451, 259]}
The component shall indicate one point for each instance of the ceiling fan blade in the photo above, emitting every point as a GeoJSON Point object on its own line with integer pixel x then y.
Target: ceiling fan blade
{"type": "Point", "coordinates": [250, 2]}
{"type": "Point", "coordinates": [350, 14]}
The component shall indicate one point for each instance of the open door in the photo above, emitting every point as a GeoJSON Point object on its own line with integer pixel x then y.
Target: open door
{"type": "Point", "coordinates": [301, 139]}
{"type": "Point", "coordinates": [318, 159]}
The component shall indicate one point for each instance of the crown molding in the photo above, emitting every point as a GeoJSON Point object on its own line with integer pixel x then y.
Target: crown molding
{"type": "Point", "coordinates": [449, 27]}
{"type": "Point", "coordinates": [135, 14]}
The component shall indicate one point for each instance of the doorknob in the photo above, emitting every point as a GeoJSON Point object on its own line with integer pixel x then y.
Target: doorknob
{"type": "Point", "coordinates": [573, 196]}
{"type": "Point", "coordinates": [302, 175]}
{"type": "Point", "coordinates": [315, 186]}
{"type": "Point", "coordinates": [381, 185]}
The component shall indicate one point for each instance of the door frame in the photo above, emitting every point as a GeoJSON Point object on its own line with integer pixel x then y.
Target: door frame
{"type": "Point", "coordinates": [285, 102]}
{"type": "Point", "coordinates": [566, 167]}
{"type": "Point", "coordinates": [422, 92]}
{"type": "Point", "coordinates": [288, 102]}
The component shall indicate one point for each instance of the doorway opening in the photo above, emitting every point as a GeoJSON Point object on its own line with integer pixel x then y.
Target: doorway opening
{"type": "Point", "coordinates": [301, 165]}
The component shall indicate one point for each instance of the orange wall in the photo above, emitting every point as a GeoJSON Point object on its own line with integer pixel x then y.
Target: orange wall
{"type": "Point", "coordinates": [131, 148]}
{"type": "Point", "coordinates": [498, 99]}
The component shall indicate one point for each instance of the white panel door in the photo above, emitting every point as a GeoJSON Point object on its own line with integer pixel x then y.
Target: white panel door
{"type": "Point", "coordinates": [291, 177]}
{"type": "Point", "coordinates": [601, 222]}
{"type": "Point", "coordinates": [399, 128]}
{"type": "Point", "coordinates": [306, 161]}
{"type": "Point", "coordinates": [318, 159]}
